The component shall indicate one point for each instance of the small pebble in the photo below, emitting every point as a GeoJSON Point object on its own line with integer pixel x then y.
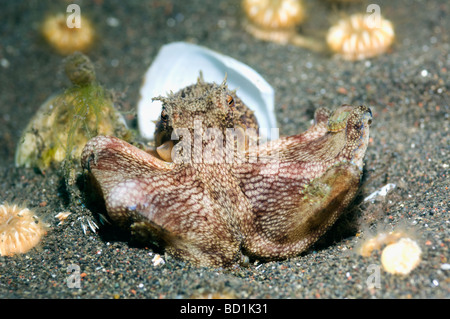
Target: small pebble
{"type": "Point", "coordinates": [445, 266]}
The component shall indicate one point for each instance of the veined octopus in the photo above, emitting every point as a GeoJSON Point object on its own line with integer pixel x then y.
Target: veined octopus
{"type": "Point", "coordinates": [271, 203]}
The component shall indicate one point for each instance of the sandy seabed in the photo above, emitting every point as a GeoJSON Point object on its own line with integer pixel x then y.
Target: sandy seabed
{"type": "Point", "coordinates": [407, 90]}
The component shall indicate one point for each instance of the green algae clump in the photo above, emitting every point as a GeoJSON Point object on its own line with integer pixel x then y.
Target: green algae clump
{"type": "Point", "coordinates": [66, 121]}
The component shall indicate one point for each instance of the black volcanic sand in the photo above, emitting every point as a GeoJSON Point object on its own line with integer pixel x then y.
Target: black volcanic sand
{"type": "Point", "coordinates": [406, 88]}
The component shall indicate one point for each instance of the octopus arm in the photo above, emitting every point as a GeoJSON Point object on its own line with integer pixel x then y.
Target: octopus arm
{"type": "Point", "coordinates": [303, 215]}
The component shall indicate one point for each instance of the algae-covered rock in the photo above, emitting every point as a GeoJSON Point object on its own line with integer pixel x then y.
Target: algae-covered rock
{"type": "Point", "coordinates": [66, 121]}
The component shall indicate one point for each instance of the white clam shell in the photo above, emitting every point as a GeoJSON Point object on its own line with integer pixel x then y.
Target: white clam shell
{"type": "Point", "coordinates": [178, 65]}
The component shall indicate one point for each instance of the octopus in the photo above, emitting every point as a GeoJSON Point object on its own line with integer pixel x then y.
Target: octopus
{"type": "Point", "coordinates": [271, 203]}
{"type": "Point", "coordinates": [198, 108]}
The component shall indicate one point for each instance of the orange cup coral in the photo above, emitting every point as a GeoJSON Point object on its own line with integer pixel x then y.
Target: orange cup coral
{"type": "Point", "coordinates": [274, 14]}
{"type": "Point", "coordinates": [20, 230]}
{"type": "Point", "coordinates": [68, 40]}
{"type": "Point", "coordinates": [359, 37]}
{"type": "Point", "coordinates": [273, 20]}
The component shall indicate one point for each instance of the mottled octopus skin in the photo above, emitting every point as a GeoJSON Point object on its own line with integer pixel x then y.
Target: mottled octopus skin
{"type": "Point", "coordinates": [213, 104]}
{"type": "Point", "coordinates": [211, 214]}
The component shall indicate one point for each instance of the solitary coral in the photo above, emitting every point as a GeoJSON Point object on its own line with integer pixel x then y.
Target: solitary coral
{"type": "Point", "coordinates": [65, 39]}
{"type": "Point", "coordinates": [274, 14]}
{"type": "Point", "coordinates": [375, 242]}
{"type": "Point", "coordinates": [401, 253]}
{"type": "Point", "coordinates": [20, 230]}
{"type": "Point", "coordinates": [273, 20]}
{"type": "Point", "coordinates": [360, 36]}
{"type": "Point", "coordinates": [401, 257]}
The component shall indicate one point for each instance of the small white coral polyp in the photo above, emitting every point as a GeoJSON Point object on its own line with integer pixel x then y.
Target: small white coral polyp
{"type": "Point", "coordinates": [401, 252]}
{"type": "Point", "coordinates": [360, 36]}
{"type": "Point", "coordinates": [20, 230]}
{"type": "Point", "coordinates": [401, 257]}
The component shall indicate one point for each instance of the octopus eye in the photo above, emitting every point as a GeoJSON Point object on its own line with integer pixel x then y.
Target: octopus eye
{"type": "Point", "coordinates": [230, 101]}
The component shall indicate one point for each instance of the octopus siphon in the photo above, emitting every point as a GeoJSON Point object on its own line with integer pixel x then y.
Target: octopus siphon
{"type": "Point", "coordinates": [266, 201]}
